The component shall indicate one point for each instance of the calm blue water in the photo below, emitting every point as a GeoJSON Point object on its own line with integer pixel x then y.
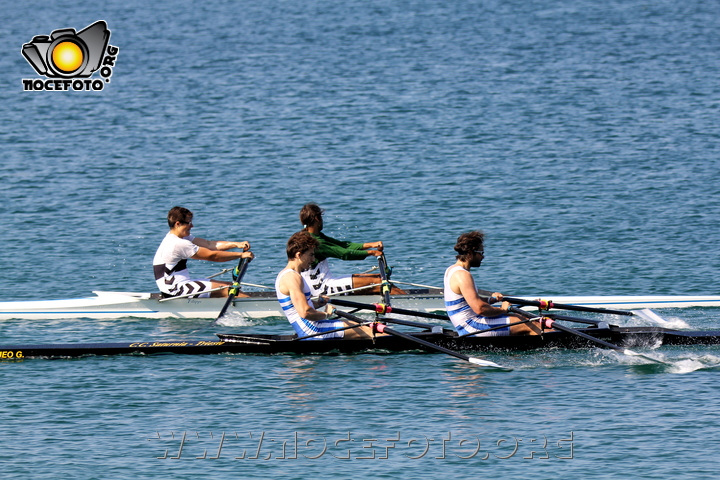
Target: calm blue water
{"type": "Point", "coordinates": [581, 136]}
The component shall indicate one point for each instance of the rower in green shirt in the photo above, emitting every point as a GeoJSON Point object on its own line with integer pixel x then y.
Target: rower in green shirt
{"type": "Point", "coordinates": [318, 276]}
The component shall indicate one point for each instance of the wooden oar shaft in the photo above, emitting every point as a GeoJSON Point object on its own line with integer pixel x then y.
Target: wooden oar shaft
{"type": "Point", "coordinates": [547, 305]}
{"type": "Point", "coordinates": [380, 308]}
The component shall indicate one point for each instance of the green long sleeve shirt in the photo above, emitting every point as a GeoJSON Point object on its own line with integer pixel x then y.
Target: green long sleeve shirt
{"type": "Point", "coordinates": [332, 248]}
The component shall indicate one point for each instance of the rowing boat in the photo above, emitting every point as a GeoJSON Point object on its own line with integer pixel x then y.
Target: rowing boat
{"type": "Point", "coordinates": [110, 305]}
{"type": "Point", "coordinates": [287, 344]}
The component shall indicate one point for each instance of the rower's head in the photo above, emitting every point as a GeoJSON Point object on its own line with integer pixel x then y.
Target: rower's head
{"type": "Point", "coordinates": [470, 247]}
{"type": "Point", "coordinates": [311, 216]}
{"type": "Point", "coordinates": [301, 246]}
{"type": "Point", "coordinates": [179, 214]}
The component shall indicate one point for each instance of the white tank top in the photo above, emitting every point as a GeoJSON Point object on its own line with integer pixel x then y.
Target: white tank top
{"type": "Point", "coordinates": [457, 307]}
{"type": "Point", "coordinates": [462, 316]}
{"type": "Point", "coordinates": [303, 326]}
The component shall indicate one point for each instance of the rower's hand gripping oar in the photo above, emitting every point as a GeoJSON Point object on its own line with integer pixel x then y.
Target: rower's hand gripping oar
{"type": "Point", "coordinates": [546, 322]}
{"type": "Point", "coordinates": [381, 328]}
{"type": "Point", "coordinates": [238, 274]}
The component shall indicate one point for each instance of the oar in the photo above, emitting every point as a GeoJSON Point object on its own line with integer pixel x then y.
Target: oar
{"type": "Point", "coordinates": [645, 314]}
{"type": "Point", "coordinates": [383, 309]}
{"type": "Point", "coordinates": [550, 323]}
{"type": "Point", "coordinates": [238, 274]}
{"type": "Point", "coordinates": [548, 304]}
{"type": "Point", "coordinates": [385, 288]}
{"type": "Point", "coordinates": [530, 318]}
{"type": "Point", "coordinates": [385, 329]}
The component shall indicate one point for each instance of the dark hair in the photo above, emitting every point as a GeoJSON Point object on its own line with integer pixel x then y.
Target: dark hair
{"type": "Point", "coordinates": [300, 242]}
{"type": "Point", "coordinates": [468, 243]}
{"type": "Point", "coordinates": [178, 214]}
{"type": "Point", "coordinates": [310, 214]}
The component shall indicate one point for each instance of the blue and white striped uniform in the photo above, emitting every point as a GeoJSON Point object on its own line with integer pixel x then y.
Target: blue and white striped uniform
{"type": "Point", "coordinates": [464, 318]}
{"type": "Point", "coordinates": [303, 326]}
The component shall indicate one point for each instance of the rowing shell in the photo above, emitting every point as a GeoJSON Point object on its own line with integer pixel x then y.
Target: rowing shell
{"type": "Point", "coordinates": [285, 344]}
{"type": "Point", "coordinates": [109, 305]}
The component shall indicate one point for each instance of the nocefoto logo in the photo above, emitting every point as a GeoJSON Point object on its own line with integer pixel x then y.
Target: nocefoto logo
{"type": "Point", "coordinates": [68, 59]}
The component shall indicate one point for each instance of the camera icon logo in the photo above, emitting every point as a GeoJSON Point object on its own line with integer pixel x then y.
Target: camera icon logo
{"type": "Point", "coordinates": [66, 53]}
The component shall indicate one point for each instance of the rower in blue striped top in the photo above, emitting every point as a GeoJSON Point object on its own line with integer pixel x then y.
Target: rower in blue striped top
{"type": "Point", "coordinates": [466, 309]}
{"type": "Point", "coordinates": [294, 296]}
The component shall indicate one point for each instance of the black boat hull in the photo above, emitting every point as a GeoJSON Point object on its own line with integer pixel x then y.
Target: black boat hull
{"type": "Point", "coordinates": [630, 337]}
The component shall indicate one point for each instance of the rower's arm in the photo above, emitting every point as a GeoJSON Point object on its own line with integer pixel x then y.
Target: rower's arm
{"type": "Point", "coordinates": [292, 285]}
{"type": "Point", "coordinates": [220, 244]}
{"type": "Point", "coordinates": [463, 281]}
{"type": "Point", "coordinates": [219, 255]}
{"type": "Point", "coordinates": [332, 248]}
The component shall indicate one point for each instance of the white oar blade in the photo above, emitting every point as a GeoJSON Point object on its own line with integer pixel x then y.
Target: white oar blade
{"type": "Point", "coordinates": [488, 364]}
{"type": "Point", "coordinates": [651, 316]}
{"type": "Point", "coordinates": [650, 359]}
